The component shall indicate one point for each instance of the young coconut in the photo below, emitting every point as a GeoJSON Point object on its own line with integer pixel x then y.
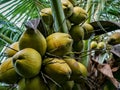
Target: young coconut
{"type": "Point", "coordinates": [114, 38]}
{"type": "Point", "coordinates": [101, 45]}
{"type": "Point", "coordinates": [93, 45]}
{"type": "Point", "coordinates": [67, 8]}
{"type": "Point", "coordinates": [59, 43]}
{"type": "Point", "coordinates": [77, 33]}
{"type": "Point", "coordinates": [57, 69]}
{"type": "Point", "coordinates": [35, 83]}
{"type": "Point", "coordinates": [78, 46]}
{"type": "Point", "coordinates": [33, 38]}
{"type": "Point", "coordinates": [77, 68]}
{"type": "Point", "coordinates": [81, 78]}
{"type": "Point", "coordinates": [27, 62]}
{"type": "Point", "coordinates": [79, 15]}
{"type": "Point", "coordinates": [12, 49]}
{"type": "Point", "coordinates": [46, 15]}
{"type": "Point", "coordinates": [88, 30]}
{"type": "Point", "coordinates": [7, 72]}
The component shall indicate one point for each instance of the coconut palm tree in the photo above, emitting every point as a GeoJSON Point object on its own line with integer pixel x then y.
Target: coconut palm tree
{"type": "Point", "coordinates": [14, 14]}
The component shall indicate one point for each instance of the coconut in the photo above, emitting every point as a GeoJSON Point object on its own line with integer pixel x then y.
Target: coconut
{"type": "Point", "coordinates": [59, 43]}
{"type": "Point", "coordinates": [88, 30]}
{"type": "Point", "coordinates": [77, 68]}
{"type": "Point", "coordinates": [93, 45]}
{"type": "Point", "coordinates": [78, 46]}
{"type": "Point", "coordinates": [27, 62]}
{"type": "Point", "coordinates": [57, 69]}
{"type": "Point", "coordinates": [12, 49]}
{"type": "Point", "coordinates": [114, 38]}
{"type": "Point", "coordinates": [7, 72]}
{"type": "Point", "coordinates": [77, 33]}
{"type": "Point", "coordinates": [79, 15]}
{"type": "Point", "coordinates": [67, 8]}
{"type": "Point", "coordinates": [101, 45]}
{"type": "Point", "coordinates": [33, 38]}
{"type": "Point", "coordinates": [46, 15]}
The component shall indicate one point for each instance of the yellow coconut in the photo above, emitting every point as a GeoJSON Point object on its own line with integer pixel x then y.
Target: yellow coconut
{"type": "Point", "coordinates": [12, 49]}
{"type": "Point", "coordinates": [67, 8]}
{"type": "Point", "coordinates": [101, 45]}
{"type": "Point", "coordinates": [88, 30]}
{"type": "Point", "coordinates": [114, 38]}
{"type": "Point", "coordinates": [79, 15]}
{"type": "Point", "coordinates": [33, 39]}
{"type": "Point", "coordinates": [27, 62]}
{"type": "Point", "coordinates": [57, 69]}
{"type": "Point", "coordinates": [77, 68]}
{"type": "Point", "coordinates": [46, 15]}
{"type": "Point", "coordinates": [59, 43]}
{"type": "Point", "coordinates": [93, 45]}
{"type": "Point", "coordinates": [77, 33]}
{"type": "Point", "coordinates": [7, 72]}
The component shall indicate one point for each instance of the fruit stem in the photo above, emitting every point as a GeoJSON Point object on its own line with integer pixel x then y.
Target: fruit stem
{"type": "Point", "coordinates": [58, 16]}
{"type": "Point", "coordinates": [85, 60]}
{"type": "Point", "coordinates": [6, 39]}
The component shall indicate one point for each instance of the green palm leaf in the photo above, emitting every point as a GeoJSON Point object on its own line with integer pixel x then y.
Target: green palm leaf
{"type": "Point", "coordinates": [13, 15]}
{"type": "Point", "coordinates": [21, 10]}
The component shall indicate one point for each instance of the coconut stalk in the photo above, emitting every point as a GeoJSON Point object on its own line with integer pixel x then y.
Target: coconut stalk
{"type": "Point", "coordinates": [6, 39]}
{"type": "Point", "coordinates": [58, 16]}
{"type": "Point", "coordinates": [86, 58]}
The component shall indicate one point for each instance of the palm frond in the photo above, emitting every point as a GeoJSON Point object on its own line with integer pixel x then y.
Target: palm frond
{"type": "Point", "coordinates": [21, 10]}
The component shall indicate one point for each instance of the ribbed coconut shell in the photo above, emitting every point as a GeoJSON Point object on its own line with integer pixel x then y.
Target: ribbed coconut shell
{"type": "Point", "coordinates": [77, 68]}
{"type": "Point", "coordinates": [57, 69]}
{"type": "Point", "coordinates": [59, 44]}
{"type": "Point", "coordinates": [77, 33]}
{"type": "Point", "coordinates": [88, 30]}
{"type": "Point", "coordinates": [27, 62]}
{"type": "Point", "coordinates": [33, 39]}
{"type": "Point", "coordinates": [79, 15]}
{"type": "Point", "coordinates": [67, 8]}
{"type": "Point", "coordinates": [46, 15]}
{"type": "Point", "coordinates": [7, 72]}
{"type": "Point", "coordinates": [12, 49]}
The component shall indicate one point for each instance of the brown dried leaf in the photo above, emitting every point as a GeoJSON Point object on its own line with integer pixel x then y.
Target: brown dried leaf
{"type": "Point", "coordinates": [106, 70]}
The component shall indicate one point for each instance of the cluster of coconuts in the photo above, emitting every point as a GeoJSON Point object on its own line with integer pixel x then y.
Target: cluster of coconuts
{"type": "Point", "coordinates": [97, 45]}
{"type": "Point", "coordinates": [29, 67]}
{"type": "Point", "coordinates": [37, 62]}
{"type": "Point", "coordinates": [113, 39]}
{"type": "Point", "coordinates": [75, 18]}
